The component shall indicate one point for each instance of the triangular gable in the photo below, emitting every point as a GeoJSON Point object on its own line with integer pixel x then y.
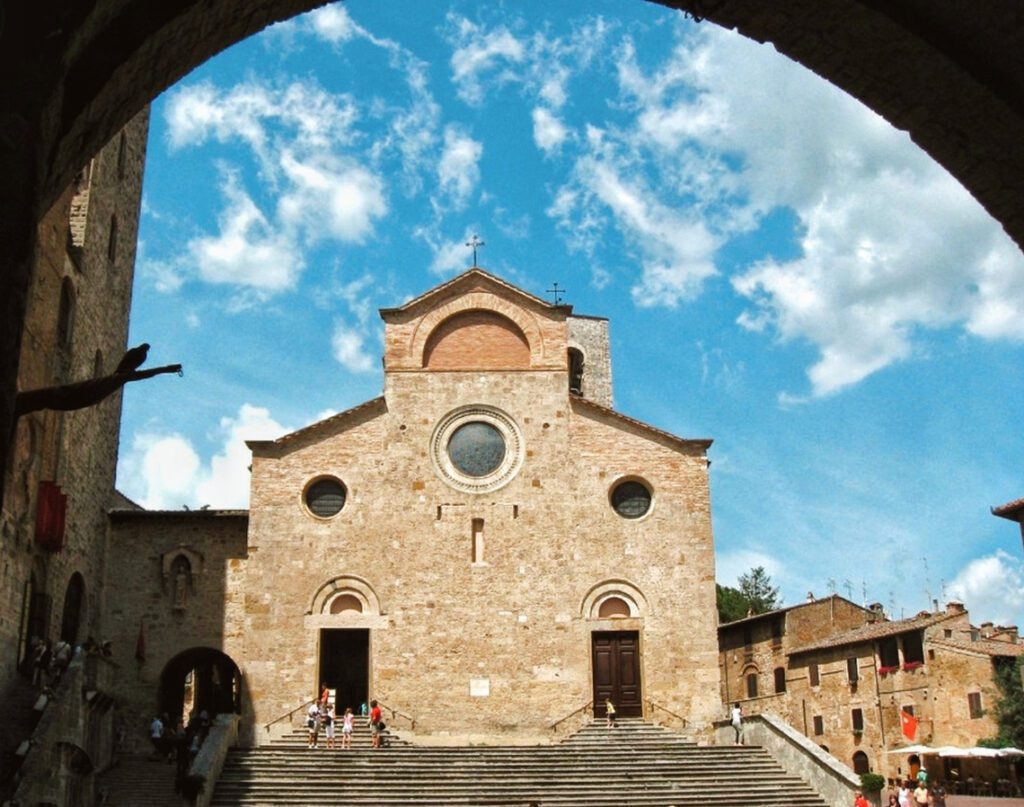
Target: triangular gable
{"type": "Point", "coordinates": [469, 280]}
{"type": "Point", "coordinates": [355, 415]}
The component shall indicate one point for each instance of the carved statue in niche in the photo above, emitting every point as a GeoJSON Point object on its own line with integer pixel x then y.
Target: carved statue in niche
{"type": "Point", "coordinates": [181, 582]}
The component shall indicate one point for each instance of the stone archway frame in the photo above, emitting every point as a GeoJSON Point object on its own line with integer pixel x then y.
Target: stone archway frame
{"type": "Point", "coordinates": [319, 614]}
{"type": "Point", "coordinates": [479, 301]}
{"type": "Point", "coordinates": [623, 590]}
{"type": "Point", "coordinates": [194, 558]}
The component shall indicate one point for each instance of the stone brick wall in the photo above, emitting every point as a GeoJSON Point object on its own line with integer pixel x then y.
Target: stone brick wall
{"type": "Point", "coordinates": [78, 450]}
{"type": "Point", "coordinates": [589, 335]}
{"type": "Point", "coordinates": [140, 594]}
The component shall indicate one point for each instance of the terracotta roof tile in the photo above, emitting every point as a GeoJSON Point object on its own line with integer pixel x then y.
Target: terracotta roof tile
{"type": "Point", "coordinates": [683, 441]}
{"type": "Point", "coordinates": [786, 608]}
{"type": "Point", "coordinates": [1012, 510]}
{"type": "Point", "coordinates": [875, 630]}
{"type": "Point", "coordinates": [984, 646]}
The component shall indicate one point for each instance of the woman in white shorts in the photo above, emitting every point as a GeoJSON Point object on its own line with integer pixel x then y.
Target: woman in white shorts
{"type": "Point", "coordinates": [346, 729]}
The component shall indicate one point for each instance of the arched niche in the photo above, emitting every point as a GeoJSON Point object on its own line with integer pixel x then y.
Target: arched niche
{"type": "Point", "coordinates": [614, 599]}
{"type": "Point", "coordinates": [73, 610]}
{"type": "Point", "coordinates": [479, 301]}
{"type": "Point", "coordinates": [476, 339]}
{"type": "Point", "coordinates": [345, 601]}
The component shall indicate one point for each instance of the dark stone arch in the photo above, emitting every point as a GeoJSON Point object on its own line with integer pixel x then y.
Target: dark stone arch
{"type": "Point", "coordinates": [73, 609]}
{"type": "Point", "coordinates": [73, 73]}
{"type": "Point", "coordinates": [216, 683]}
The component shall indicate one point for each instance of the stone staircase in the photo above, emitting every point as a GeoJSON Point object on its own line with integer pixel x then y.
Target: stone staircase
{"type": "Point", "coordinates": [634, 764]}
{"type": "Point", "coordinates": [138, 781]}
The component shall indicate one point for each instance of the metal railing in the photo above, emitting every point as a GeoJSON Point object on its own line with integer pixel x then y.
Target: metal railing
{"type": "Point", "coordinates": [289, 715]}
{"type": "Point", "coordinates": [655, 705]}
{"type": "Point", "coordinates": [573, 713]}
{"type": "Point", "coordinates": [395, 712]}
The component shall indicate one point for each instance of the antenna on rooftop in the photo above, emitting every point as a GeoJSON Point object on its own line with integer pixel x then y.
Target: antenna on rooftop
{"type": "Point", "coordinates": [848, 586]}
{"type": "Point", "coordinates": [831, 585]}
{"type": "Point", "coordinates": [927, 584]}
{"type": "Point", "coordinates": [864, 592]}
{"type": "Point", "coordinates": [892, 603]}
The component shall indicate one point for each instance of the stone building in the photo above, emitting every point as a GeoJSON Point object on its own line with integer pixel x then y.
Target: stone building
{"type": "Point", "coordinates": [487, 548]}
{"type": "Point", "coordinates": [846, 674]}
{"type": "Point", "coordinates": [58, 485]}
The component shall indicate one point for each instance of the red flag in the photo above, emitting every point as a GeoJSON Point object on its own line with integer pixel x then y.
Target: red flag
{"type": "Point", "coordinates": [908, 724]}
{"type": "Point", "coordinates": [140, 646]}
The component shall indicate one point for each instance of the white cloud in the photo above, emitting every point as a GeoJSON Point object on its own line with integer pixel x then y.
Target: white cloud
{"type": "Point", "coordinates": [248, 251]}
{"type": "Point", "coordinates": [458, 171]}
{"type": "Point", "coordinates": [449, 256]}
{"type": "Point", "coordinates": [333, 24]}
{"type": "Point", "coordinates": [164, 275]}
{"type": "Point", "coordinates": [992, 588]}
{"type": "Point", "coordinates": [548, 131]}
{"type": "Point", "coordinates": [166, 472]}
{"type": "Point", "coordinates": [478, 52]}
{"type": "Point", "coordinates": [330, 197]}
{"type": "Point", "coordinates": [349, 348]}
{"type": "Point", "coordinates": [890, 243]}
{"type": "Point", "coordinates": [730, 565]}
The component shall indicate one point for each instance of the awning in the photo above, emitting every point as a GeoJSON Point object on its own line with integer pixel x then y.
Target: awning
{"type": "Point", "coordinates": [913, 749]}
{"type": "Point", "coordinates": [979, 753]}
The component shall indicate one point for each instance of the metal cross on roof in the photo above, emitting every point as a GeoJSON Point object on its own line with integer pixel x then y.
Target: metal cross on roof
{"type": "Point", "coordinates": [473, 243]}
{"type": "Point", "coordinates": [556, 291]}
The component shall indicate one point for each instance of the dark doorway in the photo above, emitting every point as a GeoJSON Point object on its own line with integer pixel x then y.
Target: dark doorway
{"type": "Point", "coordinates": [616, 661]}
{"type": "Point", "coordinates": [200, 679]}
{"type": "Point", "coordinates": [345, 666]}
{"type": "Point", "coordinates": [74, 600]}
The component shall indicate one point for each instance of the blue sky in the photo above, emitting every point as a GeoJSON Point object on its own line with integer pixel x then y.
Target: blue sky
{"type": "Point", "coordinates": [784, 272]}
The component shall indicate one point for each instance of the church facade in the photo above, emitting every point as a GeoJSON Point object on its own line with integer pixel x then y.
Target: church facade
{"type": "Point", "coordinates": [488, 548]}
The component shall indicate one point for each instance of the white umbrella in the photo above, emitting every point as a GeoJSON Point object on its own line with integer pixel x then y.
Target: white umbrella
{"type": "Point", "coordinates": [980, 753]}
{"type": "Point", "coordinates": [912, 749]}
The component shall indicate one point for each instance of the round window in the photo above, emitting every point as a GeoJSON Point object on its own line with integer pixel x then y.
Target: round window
{"type": "Point", "coordinates": [325, 497]}
{"type": "Point", "coordinates": [631, 499]}
{"type": "Point", "coordinates": [476, 448]}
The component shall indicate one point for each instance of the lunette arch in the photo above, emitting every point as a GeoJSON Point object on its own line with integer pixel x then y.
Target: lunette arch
{"type": "Point", "coordinates": [73, 73]}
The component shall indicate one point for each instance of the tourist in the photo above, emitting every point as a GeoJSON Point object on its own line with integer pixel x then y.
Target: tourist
{"type": "Point", "coordinates": [181, 755]}
{"type": "Point", "coordinates": [313, 724]}
{"type": "Point", "coordinates": [156, 735]}
{"type": "Point", "coordinates": [903, 794]}
{"type": "Point", "coordinates": [346, 729]}
{"type": "Point", "coordinates": [325, 694]}
{"type": "Point", "coordinates": [737, 723]}
{"type": "Point", "coordinates": [609, 709]}
{"type": "Point", "coordinates": [376, 724]}
{"type": "Point", "coordinates": [41, 663]}
{"type": "Point", "coordinates": [327, 716]}
{"type": "Point", "coordinates": [938, 795]}
{"type": "Point", "coordinates": [893, 801]}
{"type": "Point", "coordinates": [921, 794]}
{"type": "Point", "coordinates": [859, 800]}
{"type": "Point", "coordinates": [61, 660]}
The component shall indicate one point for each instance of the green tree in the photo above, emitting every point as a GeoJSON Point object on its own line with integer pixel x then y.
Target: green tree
{"type": "Point", "coordinates": [1009, 708]}
{"type": "Point", "coordinates": [756, 587]}
{"type": "Point", "coordinates": [732, 605]}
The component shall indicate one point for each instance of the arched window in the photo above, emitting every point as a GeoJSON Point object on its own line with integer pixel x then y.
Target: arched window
{"type": "Point", "coordinates": [575, 371]}
{"type": "Point", "coordinates": [112, 240]}
{"type": "Point", "coordinates": [74, 604]}
{"type": "Point", "coordinates": [750, 677]}
{"type": "Point", "coordinates": [860, 763]}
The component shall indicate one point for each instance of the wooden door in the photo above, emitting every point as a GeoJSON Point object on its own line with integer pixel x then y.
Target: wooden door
{"type": "Point", "coordinates": [616, 672]}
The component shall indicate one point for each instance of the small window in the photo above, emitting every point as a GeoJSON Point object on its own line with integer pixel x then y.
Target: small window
{"type": "Point", "coordinates": [909, 709]}
{"type": "Point", "coordinates": [478, 540]}
{"type": "Point", "coordinates": [861, 763]}
{"type": "Point", "coordinates": [776, 632]}
{"type": "Point", "coordinates": [575, 371]}
{"type": "Point", "coordinates": [121, 155]}
{"type": "Point", "coordinates": [812, 671]}
{"type": "Point", "coordinates": [780, 680]}
{"type": "Point", "coordinates": [852, 671]}
{"type": "Point", "coordinates": [975, 634]}
{"type": "Point", "coordinates": [819, 725]}
{"type": "Point", "coordinates": [112, 240]}
{"type": "Point", "coordinates": [948, 633]}
{"type": "Point", "coordinates": [325, 497]}
{"type": "Point", "coordinates": [857, 718]}
{"type": "Point", "coordinates": [974, 705]}
{"type": "Point", "coordinates": [913, 648]}
{"type": "Point", "coordinates": [65, 314]}
{"type": "Point", "coordinates": [889, 652]}
{"type": "Point", "coordinates": [752, 685]}
{"type": "Point", "coordinates": [631, 499]}
{"type": "Point", "coordinates": [931, 655]}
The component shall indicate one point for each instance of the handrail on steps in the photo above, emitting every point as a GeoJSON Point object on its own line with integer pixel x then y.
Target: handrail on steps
{"type": "Point", "coordinates": [574, 712]}
{"type": "Point", "coordinates": [655, 705]}
{"type": "Point", "coordinates": [394, 711]}
{"type": "Point", "coordinates": [302, 705]}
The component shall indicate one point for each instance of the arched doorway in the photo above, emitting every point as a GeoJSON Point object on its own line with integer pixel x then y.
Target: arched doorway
{"type": "Point", "coordinates": [861, 763]}
{"type": "Point", "coordinates": [74, 604]}
{"type": "Point", "coordinates": [199, 679]}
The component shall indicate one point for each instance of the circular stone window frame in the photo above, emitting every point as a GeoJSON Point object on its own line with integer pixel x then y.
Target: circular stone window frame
{"type": "Point", "coordinates": [304, 497]}
{"type": "Point", "coordinates": [473, 413]}
{"type": "Point", "coordinates": [622, 480]}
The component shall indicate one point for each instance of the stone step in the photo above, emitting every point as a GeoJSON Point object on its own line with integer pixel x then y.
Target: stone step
{"type": "Point", "coordinates": [138, 781]}
{"type": "Point", "coordinates": [635, 763]}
